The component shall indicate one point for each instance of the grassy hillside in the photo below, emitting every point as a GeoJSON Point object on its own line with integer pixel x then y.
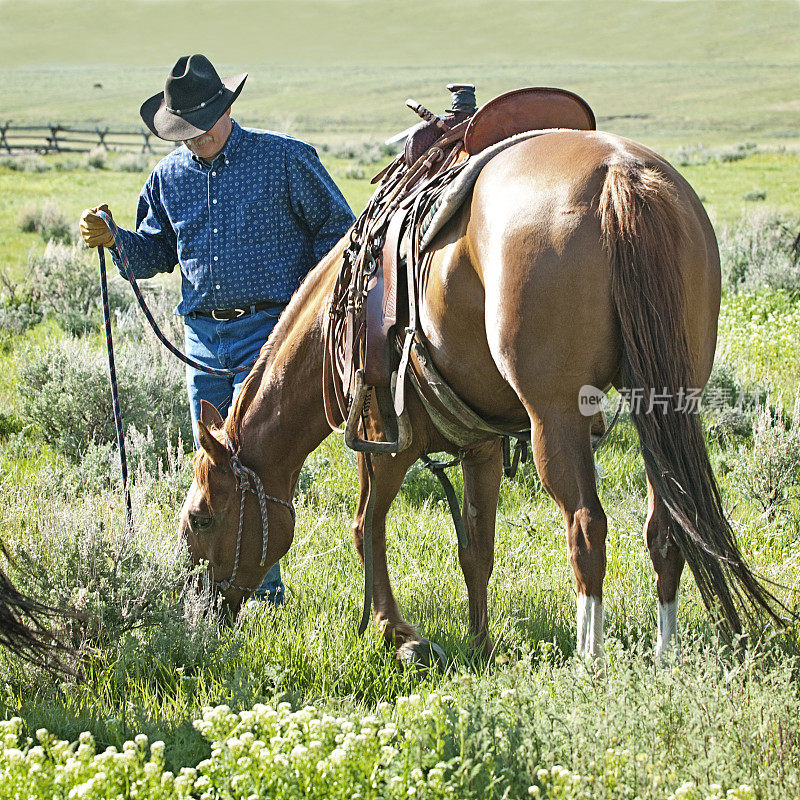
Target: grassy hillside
{"type": "Point", "coordinates": [668, 73]}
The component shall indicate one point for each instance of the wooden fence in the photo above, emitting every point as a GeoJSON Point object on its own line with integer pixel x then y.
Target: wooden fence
{"type": "Point", "coordinates": [50, 138]}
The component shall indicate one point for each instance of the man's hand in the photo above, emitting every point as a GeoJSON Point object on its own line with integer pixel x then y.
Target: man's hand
{"type": "Point", "coordinates": [95, 232]}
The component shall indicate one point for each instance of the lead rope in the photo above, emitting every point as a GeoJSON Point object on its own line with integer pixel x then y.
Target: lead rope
{"type": "Point", "coordinates": [249, 482]}
{"type": "Point", "coordinates": [118, 424]}
{"type": "Point", "coordinates": [367, 546]}
{"type": "Point", "coordinates": [112, 226]}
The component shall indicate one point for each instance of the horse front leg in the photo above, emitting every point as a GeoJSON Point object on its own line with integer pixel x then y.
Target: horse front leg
{"type": "Point", "coordinates": [482, 468]}
{"type": "Point", "coordinates": [388, 474]}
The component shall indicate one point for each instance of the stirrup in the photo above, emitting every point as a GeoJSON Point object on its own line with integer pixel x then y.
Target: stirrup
{"type": "Point", "coordinates": [351, 438]}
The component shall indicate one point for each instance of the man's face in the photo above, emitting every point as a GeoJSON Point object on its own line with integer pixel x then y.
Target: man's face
{"type": "Point", "coordinates": [207, 145]}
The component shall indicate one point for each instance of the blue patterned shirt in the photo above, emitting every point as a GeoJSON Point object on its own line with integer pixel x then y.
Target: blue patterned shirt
{"type": "Point", "coordinates": [245, 228]}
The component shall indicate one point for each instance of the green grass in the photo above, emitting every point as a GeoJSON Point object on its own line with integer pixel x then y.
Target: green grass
{"type": "Point", "coordinates": [666, 73]}
{"type": "Point", "coordinates": [721, 185]}
{"type": "Point", "coordinates": [626, 731]}
{"type": "Point", "coordinates": [712, 720]}
{"type": "Point", "coordinates": [671, 74]}
{"type": "Point", "coordinates": [724, 186]}
{"type": "Point", "coordinates": [324, 32]}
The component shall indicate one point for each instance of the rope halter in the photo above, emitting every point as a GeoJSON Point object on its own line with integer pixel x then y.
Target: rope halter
{"type": "Point", "coordinates": [248, 481]}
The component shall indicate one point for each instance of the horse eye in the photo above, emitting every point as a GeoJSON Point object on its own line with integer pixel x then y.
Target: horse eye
{"type": "Point", "coordinates": [200, 523]}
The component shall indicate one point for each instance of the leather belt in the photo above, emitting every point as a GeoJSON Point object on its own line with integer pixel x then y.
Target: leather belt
{"type": "Point", "coordinates": [224, 314]}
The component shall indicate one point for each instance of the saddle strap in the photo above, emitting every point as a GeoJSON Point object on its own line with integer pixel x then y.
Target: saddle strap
{"type": "Point", "coordinates": [412, 262]}
{"type": "Point", "coordinates": [460, 425]}
{"type": "Point", "coordinates": [438, 469]}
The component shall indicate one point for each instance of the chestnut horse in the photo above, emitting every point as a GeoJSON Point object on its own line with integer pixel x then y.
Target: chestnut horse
{"type": "Point", "coordinates": [581, 259]}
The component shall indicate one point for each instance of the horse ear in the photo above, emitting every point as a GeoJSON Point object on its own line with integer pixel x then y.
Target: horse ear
{"type": "Point", "coordinates": [214, 449]}
{"type": "Point", "coordinates": [210, 416]}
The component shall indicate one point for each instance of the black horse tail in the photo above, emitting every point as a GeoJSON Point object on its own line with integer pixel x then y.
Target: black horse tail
{"type": "Point", "coordinates": [25, 629]}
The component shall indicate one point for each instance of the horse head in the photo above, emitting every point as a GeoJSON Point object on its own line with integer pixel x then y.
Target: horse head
{"type": "Point", "coordinates": [232, 534]}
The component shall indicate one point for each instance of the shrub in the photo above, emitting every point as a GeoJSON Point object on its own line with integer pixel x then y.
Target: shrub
{"type": "Point", "coordinates": [355, 172]}
{"type": "Point", "coordinates": [136, 593]}
{"type": "Point", "coordinates": [97, 158]}
{"type": "Point", "coordinates": [16, 311]}
{"type": "Point", "coordinates": [755, 195]}
{"type": "Point", "coordinates": [736, 153]}
{"type": "Point", "coordinates": [729, 405]}
{"type": "Point", "coordinates": [27, 218]}
{"type": "Point", "coordinates": [65, 394]}
{"type": "Point", "coordinates": [47, 220]}
{"type": "Point", "coordinates": [161, 300]}
{"type": "Point", "coordinates": [696, 155]}
{"type": "Point", "coordinates": [757, 252]}
{"type": "Point", "coordinates": [769, 472]}
{"type": "Point", "coordinates": [364, 152]}
{"type": "Point", "coordinates": [53, 224]}
{"type": "Point", "coordinates": [133, 162]}
{"type": "Point", "coordinates": [27, 162]}
{"type": "Point", "coordinates": [64, 283]}
{"type": "Point", "coordinates": [15, 319]}
{"type": "Point", "coordinates": [68, 164]}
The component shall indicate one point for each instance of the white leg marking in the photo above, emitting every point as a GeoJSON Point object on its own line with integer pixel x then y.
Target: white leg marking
{"type": "Point", "coordinates": [667, 641]}
{"type": "Point", "coordinates": [590, 626]}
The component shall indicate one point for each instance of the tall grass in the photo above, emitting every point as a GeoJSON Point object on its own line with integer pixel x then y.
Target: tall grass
{"type": "Point", "coordinates": [535, 721]}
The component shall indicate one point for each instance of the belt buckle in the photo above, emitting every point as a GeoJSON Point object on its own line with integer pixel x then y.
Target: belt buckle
{"type": "Point", "coordinates": [234, 313]}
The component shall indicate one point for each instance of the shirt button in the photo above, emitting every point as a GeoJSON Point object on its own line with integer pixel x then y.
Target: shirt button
{"type": "Point", "coordinates": [216, 258]}
{"type": "Point", "coordinates": [214, 201]}
{"type": "Point", "coordinates": [217, 286]}
{"type": "Point", "coordinates": [213, 174]}
{"type": "Point", "coordinates": [215, 230]}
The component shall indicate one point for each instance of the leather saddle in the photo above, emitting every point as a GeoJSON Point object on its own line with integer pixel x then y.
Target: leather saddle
{"type": "Point", "coordinates": [363, 315]}
{"type": "Point", "coordinates": [518, 111]}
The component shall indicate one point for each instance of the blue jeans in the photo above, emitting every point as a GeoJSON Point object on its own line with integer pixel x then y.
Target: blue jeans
{"type": "Point", "coordinates": [228, 344]}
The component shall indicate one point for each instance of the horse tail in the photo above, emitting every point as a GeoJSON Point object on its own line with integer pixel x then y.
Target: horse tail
{"type": "Point", "coordinates": [24, 629]}
{"type": "Point", "coordinates": [644, 231]}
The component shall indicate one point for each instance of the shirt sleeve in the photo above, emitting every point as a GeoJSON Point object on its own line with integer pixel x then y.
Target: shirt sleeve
{"type": "Point", "coordinates": [152, 247]}
{"type": "Point", "coordinates": [316, 199]}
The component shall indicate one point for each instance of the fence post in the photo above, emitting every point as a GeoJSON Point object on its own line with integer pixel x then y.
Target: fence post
{"type": "Point", "coordinates": [54, 129]}
{"type": "Point", "coordinates": [146, 146]}
{"type": "Point", "coordinates": [101, 135]}
{"type": "Point", "coordinates": [3, 140]}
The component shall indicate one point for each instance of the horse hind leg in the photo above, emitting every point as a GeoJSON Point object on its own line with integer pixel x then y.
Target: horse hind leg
{"type": "Point", "coordinates": [668, 564]}
{"type": "Point", "coordinates": [563, 457]}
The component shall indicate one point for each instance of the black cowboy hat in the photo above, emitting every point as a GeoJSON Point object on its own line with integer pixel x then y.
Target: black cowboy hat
{"type": "Point", "coordinates": [194, 98]}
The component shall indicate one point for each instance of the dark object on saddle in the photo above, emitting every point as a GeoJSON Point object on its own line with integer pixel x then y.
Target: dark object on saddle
{"type": "Point", "coordinates": [226, 314]}
{"type": "Point", "coordinates": [530, 109]}
{"type": "Point", "coordinates": [426, 134]}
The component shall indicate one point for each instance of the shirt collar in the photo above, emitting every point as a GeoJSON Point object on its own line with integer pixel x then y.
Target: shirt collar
{"type": "Point", "coordinates": [230, 146]}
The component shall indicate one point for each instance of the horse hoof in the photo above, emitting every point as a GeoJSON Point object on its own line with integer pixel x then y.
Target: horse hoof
{"type": "Point", "coordinates": [423, 654]}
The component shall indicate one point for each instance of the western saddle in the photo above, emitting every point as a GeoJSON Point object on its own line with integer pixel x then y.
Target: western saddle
{"type": "Point", "coordinates": [366, 350]}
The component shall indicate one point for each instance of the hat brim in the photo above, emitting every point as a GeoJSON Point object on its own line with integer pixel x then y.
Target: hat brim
{"type": "Point", "coordinates": [178, 128]}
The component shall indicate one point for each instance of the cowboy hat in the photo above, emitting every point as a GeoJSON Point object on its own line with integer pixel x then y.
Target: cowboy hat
{"type": "Point", "coordinates": [194, 98]}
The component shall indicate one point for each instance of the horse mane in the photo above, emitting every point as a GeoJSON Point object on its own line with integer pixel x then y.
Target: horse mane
{"type": "Point", "coordinates": [280, 333]}
{"type": "Point", "coordinates": [202, 467]}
